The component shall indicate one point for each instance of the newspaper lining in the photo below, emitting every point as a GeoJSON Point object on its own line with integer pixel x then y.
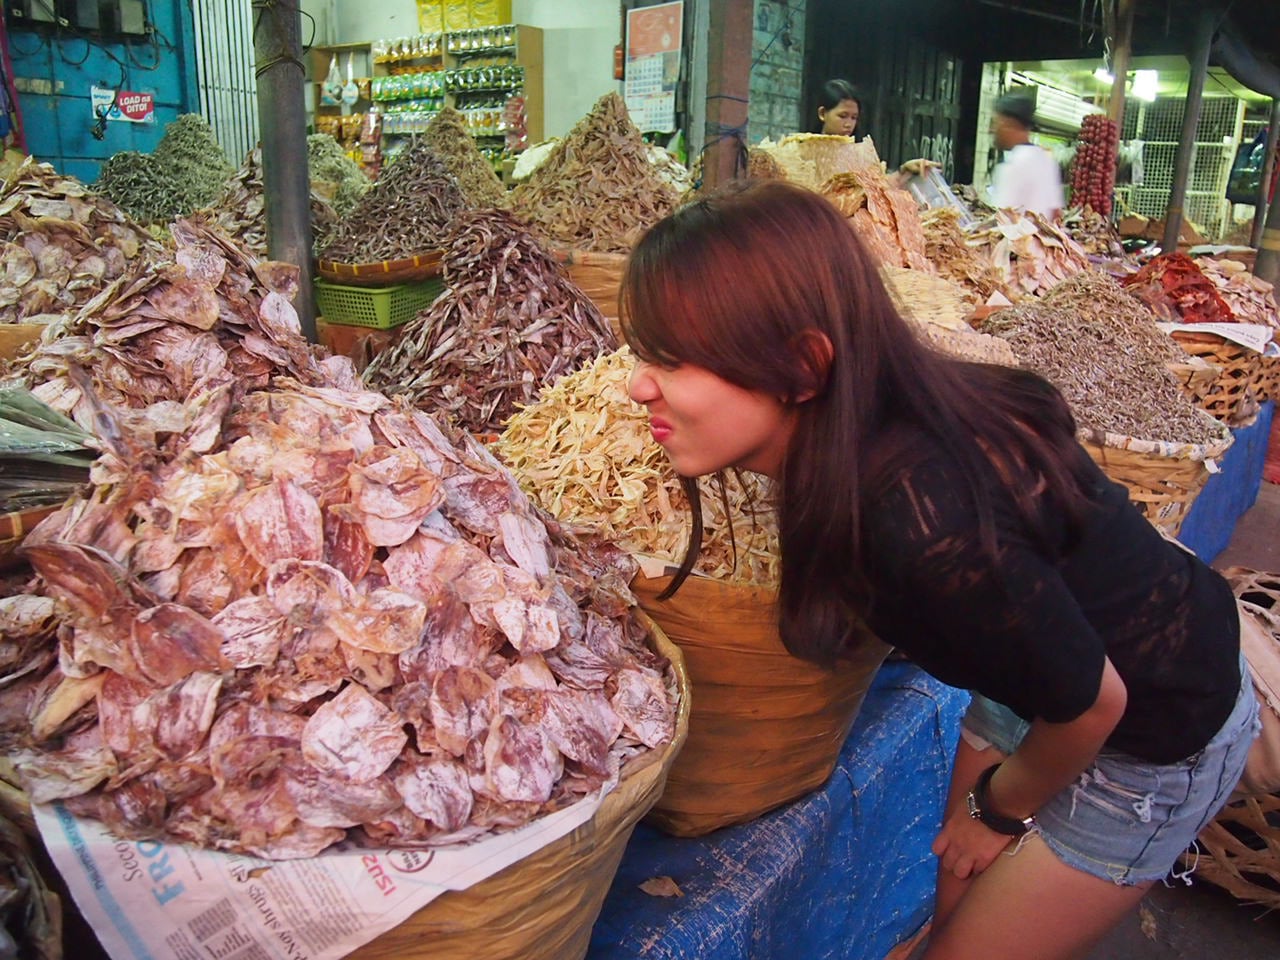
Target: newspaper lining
{"type": "Point", "coordinates": [148, 900]}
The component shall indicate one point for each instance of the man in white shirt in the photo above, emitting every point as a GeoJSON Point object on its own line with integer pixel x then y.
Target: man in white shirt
{"type": "Point", "coordinates": [1028, 178]}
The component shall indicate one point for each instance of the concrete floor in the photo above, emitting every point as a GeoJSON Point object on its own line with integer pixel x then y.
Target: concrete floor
{"type": "Point", "coordinates": [1202, 922]}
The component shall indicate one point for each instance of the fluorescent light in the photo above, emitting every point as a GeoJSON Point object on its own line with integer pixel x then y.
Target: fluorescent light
{"type": "Point", "coordinates": [1145, 84]}
{"type": "Point", "coordinates": [1103, 75]}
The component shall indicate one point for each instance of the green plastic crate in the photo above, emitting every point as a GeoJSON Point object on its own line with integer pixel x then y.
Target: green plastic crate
{"type": "Point", "coordinates": [379, 307]}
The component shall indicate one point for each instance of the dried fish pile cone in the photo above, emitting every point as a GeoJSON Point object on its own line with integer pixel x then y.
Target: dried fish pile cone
{"type": "Point", "coordinates": [62, 244]}
{"type": "Point", "coordinates": [949, 251]}
{"type": "Point", "coordinates": [1101, 347]}
{"type": "Point", "coordinates": [584, 453]}
{"type": "Point", "coordinates": [447, 137]}
{"type": "Point", "coordinates": [886, 219]}
{"type": "Point", "coordinates": [304, 617]}
{"type": "Point", "coordinates": [241, 211]}
{"type": "Point", "coordinates": [326, 161]}
{"type": "Point", "coordinates": [1032, 253]}
{"type": "Point", "coordinates": [1249, 298]}
{"type": "Point", "coordinates": [599, 190]}
{"type": "Point", "coordinates": [163, 334]}
{"type": "Point", "coordinates": [410, 210]}
{"type": "Point", "coordinates": [186, 172]}
{"type": "Point", "coordinates": [508, 322]}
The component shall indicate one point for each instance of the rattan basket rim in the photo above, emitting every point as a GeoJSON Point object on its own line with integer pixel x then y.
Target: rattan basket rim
{"type": "Point", "coordinates": [1160, 448]}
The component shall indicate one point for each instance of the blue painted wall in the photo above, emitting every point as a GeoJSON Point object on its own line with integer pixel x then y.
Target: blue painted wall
{"type": "Point", "coordinates": [58, 125]}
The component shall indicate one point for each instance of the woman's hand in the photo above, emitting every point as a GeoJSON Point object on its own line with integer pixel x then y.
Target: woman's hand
{"type": "Point", "coordinates": [966, 847]}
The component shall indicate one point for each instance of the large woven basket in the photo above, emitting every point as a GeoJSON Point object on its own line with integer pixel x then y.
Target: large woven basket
{"type": "Point", "coordinates": [1240, 850]}
{"type": "Point", "coordinates": [766, 727]}
{"type": "Point", "coordinates": [599, 276]}
{"type": "Point", "coordinates": [421, 266]}
{"type": "Point", "coordinates": [1270, 379]}
{"type": "Point", "coordinates": [543, 907]}
{"type": "Point", "coordinates": [1163, 479]}
{"type": "Point", "coordinates": [1234, 394]}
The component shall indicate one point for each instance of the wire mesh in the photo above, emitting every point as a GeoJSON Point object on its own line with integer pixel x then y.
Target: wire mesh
{"type": "Point", "coordinates": [1159, 125]}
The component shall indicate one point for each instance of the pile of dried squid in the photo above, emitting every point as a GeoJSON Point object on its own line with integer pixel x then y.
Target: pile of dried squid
{"type": "Point", "coordinates": [290, 611]}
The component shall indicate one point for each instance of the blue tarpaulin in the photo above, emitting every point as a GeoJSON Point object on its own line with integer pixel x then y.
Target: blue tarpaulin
{"type": "Point", "coordinates": [1230, 493]}
{"type": "Point", "coordinates": [843, 873]}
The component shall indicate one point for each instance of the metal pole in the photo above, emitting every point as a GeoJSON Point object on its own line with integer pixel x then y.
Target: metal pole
{"type": "Point", "coordinates": [1264, 184]}
{"type": "Point", "coordinates": [277, 44]}
{"type": "Point", "coordinates": [728, 89]}
{"type": "Point", "coordinates": [1206, 24]}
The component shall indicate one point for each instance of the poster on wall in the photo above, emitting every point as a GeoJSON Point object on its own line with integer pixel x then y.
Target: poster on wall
{"type": "Point", "coordinates": [653, 65]}
{"type": "Point", "coordinates": [125, 105]}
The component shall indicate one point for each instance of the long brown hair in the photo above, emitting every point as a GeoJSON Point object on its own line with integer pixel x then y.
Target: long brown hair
{"type": "Point", "coordinates": [741, 283]}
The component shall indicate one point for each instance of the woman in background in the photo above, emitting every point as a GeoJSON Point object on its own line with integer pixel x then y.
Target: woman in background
{"type": "Point", "coordinates": [839, 108]}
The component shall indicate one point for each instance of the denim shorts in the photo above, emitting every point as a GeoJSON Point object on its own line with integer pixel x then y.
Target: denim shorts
{"type": "Point", "coordinates": [1124, 819]}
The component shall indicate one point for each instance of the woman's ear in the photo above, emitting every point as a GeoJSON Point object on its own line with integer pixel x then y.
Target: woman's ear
{"type": "Point", "coordinates": [813, 350]}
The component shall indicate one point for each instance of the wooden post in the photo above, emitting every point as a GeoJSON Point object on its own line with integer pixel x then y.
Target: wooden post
{"type": "Point", "coordinates": [728, 90]}
{"type": "Point", "coordinates": [1120, 56]}
{"type": "Point", "coordinates": [277, 45]}
{"type": "Point", "coordinates": [1260, 203]}
{"type": "Point", "coordinates": [1206, 24]}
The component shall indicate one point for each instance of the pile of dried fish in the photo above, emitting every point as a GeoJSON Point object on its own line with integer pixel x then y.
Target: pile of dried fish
{"type": "Point", "coordinates": [30, 913]}
{"type": "Point", "coordinates": [599, 190]}
{"type": "Point", "coordinates": [448, 138]}
{"type": "Point", "coordinates": [1103, 350]}
{"type": "Point", "coordinates": [241, 211]}
{"type": "Point", "coordinates": [186, 172]}
{"type": "Point", "coordinates": [886, 219]}
{"type": "Point", "coordinates": [927, 298]}
{"type": "Point", "coordinates": [328, 163]}
{"type": "Point", "coordinates": [301, 615]}
{"type": "Point", "coordinates": [216, 315]}
{"type": "Point", "coordinates": [410, 210]}
{"type": "Point", "coordinates": [1175, 287]}
{"type": "Point", "coordinates": [949, 251]}
{"type": "Point", "coordinates": [583, 451]}
{"type": "Point", "coordinates": [1095, 233]}
{"type": "Point", "coordinates": [1251, 299]}
{"type": "Point", "coordinates": [1031, 253]}
{"type": "Point", "coordinates": [509, 322]}
{"type": "Point", "coordinates": [62, 244]}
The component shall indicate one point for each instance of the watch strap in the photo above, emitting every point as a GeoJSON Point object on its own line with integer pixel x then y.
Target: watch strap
{"type": "Point", "coordinates": [980, 808]}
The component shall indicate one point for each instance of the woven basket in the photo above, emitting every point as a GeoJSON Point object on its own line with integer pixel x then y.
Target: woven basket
{"type": "Point", "coordinates": [1241, 850]}
{"type": "Point", "coordinates": [1269, 388]}
{"type": "Point", "coordinates": [1163, 479]}
{"type": "Point", "coordinates": [422, 266]}
{"type": "Point", "coordinates": [14, 528]}
{"type": "Point", "coordinates": [1234, 395]}
{"type": "Point", "coordinates": [543, 907]}
{"type": "Point", "coordinates": [599, 276]}
{"type": "Point", "coordinates": [766, 727]}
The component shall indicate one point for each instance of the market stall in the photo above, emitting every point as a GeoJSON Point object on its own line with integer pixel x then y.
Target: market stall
{"type": "Point", "coordinates": [298, 546]}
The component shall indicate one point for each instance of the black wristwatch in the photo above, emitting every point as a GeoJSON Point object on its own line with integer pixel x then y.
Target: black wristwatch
{"type": "Point", "coordinates": [980, 810]}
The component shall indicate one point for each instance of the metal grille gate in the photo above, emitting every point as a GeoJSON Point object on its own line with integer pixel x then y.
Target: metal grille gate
{"type": "Point", "coordinates": [224, 73]}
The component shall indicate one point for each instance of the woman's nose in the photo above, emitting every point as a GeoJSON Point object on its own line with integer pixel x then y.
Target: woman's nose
{"type": "Point", "coordinates": [642, 388]}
